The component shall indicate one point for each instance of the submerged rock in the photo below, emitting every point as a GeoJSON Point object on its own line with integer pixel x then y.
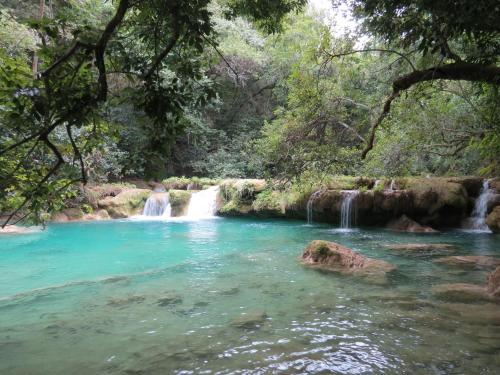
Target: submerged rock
{"type": "Point", "coordinates": [405, 224]}
{"type": "Point", "coordinates": [470, 261]}
{"type": "Point", "coordinates": [252, 319]}
{"type": "Point", "coordinates": [422, 247]}
{"type": "Point", "coordinates": [493, 220]}
{"type": "Point", "coordinates": [14, 229]}
{"type": "Point", "coordinates": [119, 302]}
{"type": "Point", "coordinates": [484, 314]}
{"type": "Point", "coordinates": [461, 292]}
{"type": "Point", "coordinates": [493, 283]}
{"type": "Point", "coordinates": [331, 256]}
{"type": "Point", "coordinates": [171, 299]}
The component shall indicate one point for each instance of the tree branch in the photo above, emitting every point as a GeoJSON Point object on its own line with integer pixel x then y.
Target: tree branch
{"type": "Point", "coordinates": [457, 71]}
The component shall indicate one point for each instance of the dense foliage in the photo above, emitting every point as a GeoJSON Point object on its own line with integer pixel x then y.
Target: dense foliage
{"type": "Point", "coordinates": [96, 91]}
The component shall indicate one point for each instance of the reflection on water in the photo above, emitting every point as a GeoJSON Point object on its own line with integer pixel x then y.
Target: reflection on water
{"type": "Point", "coordinates": [228, 296]}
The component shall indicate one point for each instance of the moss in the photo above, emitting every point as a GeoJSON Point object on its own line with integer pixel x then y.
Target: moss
{"type": "Point", "coordinates": [268, 200]}
{"type": "Point", "coordinates": [181, 183]}
{"type": "Point", "coordinates": [179, 197]}
{"type": "Point", "coordinates": [176, 183]}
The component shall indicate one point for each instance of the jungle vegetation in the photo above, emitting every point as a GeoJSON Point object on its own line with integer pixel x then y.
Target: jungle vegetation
{"type": "Point", "coordinates": [93, 91]}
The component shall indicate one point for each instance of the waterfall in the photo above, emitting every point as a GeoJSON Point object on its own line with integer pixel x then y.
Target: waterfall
{"type": "Point", "coordinates": [481, 208]}
{"type": "Point", "coordinates": [310, 204]}
{"type": "Point", "coordinates": [392, 187]}
{"type": "Point", "coordinates": [157, 205]}
{"type": "Point", "coordinates": [377, 183]}
{"type": "Point", "coordinates": [348, 210]}
{"type": "Point", "coordinates": [203, 204]}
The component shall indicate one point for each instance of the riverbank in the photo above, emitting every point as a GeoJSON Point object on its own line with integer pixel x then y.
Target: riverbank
{"type": "Point", "coordinates": [408, 204]}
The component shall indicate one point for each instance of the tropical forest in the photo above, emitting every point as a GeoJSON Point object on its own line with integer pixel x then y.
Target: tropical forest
{"type": "Point", "coordinates": [249, 187]}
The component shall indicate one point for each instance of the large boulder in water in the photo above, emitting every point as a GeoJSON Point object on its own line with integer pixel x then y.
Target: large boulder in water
{"type": "Point", "coordinates": [493, 283]}
{"type": "Point", "coordinates": [493, 220]}
{"type": "Point", "coordinates": [127, 203]}
{"type": "Point", "coordinates": [470, 261]}
{"type": "Point", "coordinates": [405, 224]}
{"type": "Point", "coordinates": [331, 256]}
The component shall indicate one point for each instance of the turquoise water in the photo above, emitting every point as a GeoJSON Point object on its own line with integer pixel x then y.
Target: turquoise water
{"type": "Point", "coordinates": [136, 297]}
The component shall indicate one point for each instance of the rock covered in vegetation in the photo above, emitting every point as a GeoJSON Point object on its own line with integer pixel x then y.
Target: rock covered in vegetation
{"type": "Point", "coordinates": [331, 256]}
{"type": "Point", "coordinates": [405, 224]}
{"type": "Point", "coordinates": [179, 201]}
{"type": "Point", "coordinates": [127, 203]}
{"type": "Point", "coordinates": [493, 220]}
{"type": "Point", "coordinates": [470, 261]}
{"type": "Point", "coordinates": [493, 283]}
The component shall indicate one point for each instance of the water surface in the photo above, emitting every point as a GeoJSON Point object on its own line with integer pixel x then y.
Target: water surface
{"type": "Point", "coordinates": [157, 297]}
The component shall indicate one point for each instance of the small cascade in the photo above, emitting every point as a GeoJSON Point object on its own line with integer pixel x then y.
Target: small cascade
{"type": "Point", "coordinates": [203, 204]}
{"type": "Point", "coordinates": [157, 205]}
{"type": "Point", "coordinates": [310, 205]}
{"type": "Point", "coordinates": [377, 183]}
{"type": "Point", "coordinates": [348, 209]}
{"type": "Point", "coordinates": [478, 218]}
{"type": "Point", "coordinates": [392, 187]}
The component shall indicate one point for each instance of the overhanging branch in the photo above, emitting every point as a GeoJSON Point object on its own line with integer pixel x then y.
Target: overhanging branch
{"type": "Point", "coordinates": [456, 72]}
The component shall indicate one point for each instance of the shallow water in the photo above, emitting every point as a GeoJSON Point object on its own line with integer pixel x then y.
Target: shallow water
{"type": "Point", "coordinates": [156, 297]}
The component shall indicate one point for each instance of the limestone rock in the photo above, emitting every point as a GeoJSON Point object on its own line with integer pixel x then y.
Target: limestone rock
{"type": "Point", "coordinates": [493, 283]}
{"type": "Point", "coordinates": [405, 224]}
{"type": "Point", "coordinates": [128, 202]}
{"type": "Point", "coordinates": [97, 215]}
{"type": "Point", "coordinates": [470, 261]}
{"type": "Point", "coordinates": [493, 220]}
{"type": "Point", "coordinates": [331, 256]}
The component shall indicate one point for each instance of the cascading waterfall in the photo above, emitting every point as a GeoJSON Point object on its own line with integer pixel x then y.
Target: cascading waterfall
{"type": "Point", "coordinates": [158, 204]}
{"type": "Point", "coordinates": [377, 183]}
{"type": "Point", "coordinates": [393, 185]}
{"type": "Point", "coordinates": [348, 209]}
{"type": "Point", "coordinates": [310, 205]}
{"type": "Point", "coordinates": [203, 204]}
{"type": "Point", "coordinates": [478, 218]}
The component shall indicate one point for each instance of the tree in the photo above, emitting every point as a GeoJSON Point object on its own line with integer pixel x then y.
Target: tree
{"type": "Point", "coordinates": [455, 40]}
{"type": "Point", "coordinates": [144, 51]}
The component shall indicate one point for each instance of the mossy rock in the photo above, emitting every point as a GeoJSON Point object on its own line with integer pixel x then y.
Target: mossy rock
{"type": "Point", "coordinates": [182, 183]}
{"type": "Point", "coordinates": [127, 203]}
{"type": "Point", "coordinates": [493, 220]}
{"type": "Point", "coordinates": [434, 194]}
{"type": "Point", "coordinates": [179, 201]}
{"type": "Point", "coordinates": [95, 193]}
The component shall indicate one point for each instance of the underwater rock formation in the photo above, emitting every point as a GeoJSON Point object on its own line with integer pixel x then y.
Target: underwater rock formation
{"type": "Point", "coordinates": [422, 248]}
{"type": "Point", "coordinates": [470, 261]}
